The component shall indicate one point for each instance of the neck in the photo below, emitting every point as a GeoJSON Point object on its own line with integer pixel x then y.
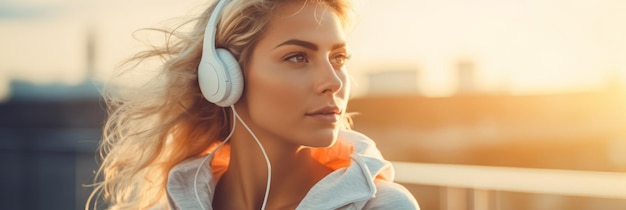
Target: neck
{"type": "Point", "coordinates": [294, 172]}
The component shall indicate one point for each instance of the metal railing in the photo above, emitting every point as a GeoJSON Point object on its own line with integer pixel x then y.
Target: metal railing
{"type": "Point", "coordinates": [461, 180]}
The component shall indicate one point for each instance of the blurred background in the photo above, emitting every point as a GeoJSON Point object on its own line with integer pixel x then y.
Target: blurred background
{"type": "Point", "coordinates": [508, 84]}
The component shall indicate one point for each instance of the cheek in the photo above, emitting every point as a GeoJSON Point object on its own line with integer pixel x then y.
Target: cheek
{"type": "Point", "coordinates": [273, 92]}
{"type": "Point", "coordinates": [274, 98]}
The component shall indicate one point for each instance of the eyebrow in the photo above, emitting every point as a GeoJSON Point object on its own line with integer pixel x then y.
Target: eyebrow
{"type": "Point", "coordinates": [308, 45]}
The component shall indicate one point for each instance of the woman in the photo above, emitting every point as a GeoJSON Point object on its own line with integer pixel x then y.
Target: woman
{"type": "Point", "coordinates": [276, 137]}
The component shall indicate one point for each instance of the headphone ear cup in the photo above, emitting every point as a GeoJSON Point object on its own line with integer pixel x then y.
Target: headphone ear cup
{"type": "Point", "coordinates": [233, 71]}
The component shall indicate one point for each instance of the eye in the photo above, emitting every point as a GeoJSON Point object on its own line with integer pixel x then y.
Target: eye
{"type": "Point", "coordinates": [340, 59]}
{"type": "Point", "coordinates": [297, 58]}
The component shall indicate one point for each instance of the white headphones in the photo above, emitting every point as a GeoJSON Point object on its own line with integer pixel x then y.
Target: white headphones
{"type": "Point", "coordinates": [221, 83]}
{"type": "Point", "coordinates": [219, 73]}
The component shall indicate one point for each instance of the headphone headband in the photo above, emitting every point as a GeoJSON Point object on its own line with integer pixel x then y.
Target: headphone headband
{"type": "Point", "coordinates": [211, 27]}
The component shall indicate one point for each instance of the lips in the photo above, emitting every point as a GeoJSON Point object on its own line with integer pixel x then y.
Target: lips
{"type": "Point", "coordinates": [328, 110]}
{"type": "Point", "coordinates": [328, 114]}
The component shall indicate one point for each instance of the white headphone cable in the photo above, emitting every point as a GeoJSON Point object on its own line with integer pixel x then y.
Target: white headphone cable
{"type": "Point", "coordinates": [267, 159]}
{"type": "Point", "coordinates": [195, 178]}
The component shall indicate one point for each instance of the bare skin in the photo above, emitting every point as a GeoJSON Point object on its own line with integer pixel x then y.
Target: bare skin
{"type": "Point", "coordinates": [287, 84]}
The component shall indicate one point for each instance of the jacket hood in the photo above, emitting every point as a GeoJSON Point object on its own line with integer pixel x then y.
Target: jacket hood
{"type": "Point", "coordinates": [353, 184]}
{"type": "Point", "coordinates": [356, 162]}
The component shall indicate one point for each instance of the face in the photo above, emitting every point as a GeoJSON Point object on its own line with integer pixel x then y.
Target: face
{"type": "Point", "coordinates": [296, 83]}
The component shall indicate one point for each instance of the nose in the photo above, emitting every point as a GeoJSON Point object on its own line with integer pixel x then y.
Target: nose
{"type": "Point", "coordinates": [329, 80]}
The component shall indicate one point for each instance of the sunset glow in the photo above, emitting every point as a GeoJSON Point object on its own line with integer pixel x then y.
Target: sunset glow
{"type": "Point", "coordinates": [484, 104]}
{"type": "Point", "coordinates": [516, 47]}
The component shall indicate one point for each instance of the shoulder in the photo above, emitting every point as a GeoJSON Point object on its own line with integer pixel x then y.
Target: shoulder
{"type": "Point", "coordinates": [391, 195]}
{"type": "Point", "coordinates": [189, 180]}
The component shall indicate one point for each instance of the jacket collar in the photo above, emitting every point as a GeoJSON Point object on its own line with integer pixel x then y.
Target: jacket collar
{"type": "Point", "coordinates": [353, 183]}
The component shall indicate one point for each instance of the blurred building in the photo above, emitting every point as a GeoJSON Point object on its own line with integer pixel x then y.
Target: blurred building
{"type": "Point", "coordinates": [401, 82]}
{"type": "Point", "coordinates": [48, 136]}
{"type": "Point", "coordinates": [466, 77]}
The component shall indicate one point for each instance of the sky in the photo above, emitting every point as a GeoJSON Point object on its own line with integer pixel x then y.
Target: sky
{"type": "Point", "coordinates": [526, 46]}
{"type": "Point", "coordinates": [518, 47]}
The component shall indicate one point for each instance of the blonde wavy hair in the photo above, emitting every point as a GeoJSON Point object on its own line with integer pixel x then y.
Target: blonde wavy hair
{"type": "Point", "coordinates": [158, 125]}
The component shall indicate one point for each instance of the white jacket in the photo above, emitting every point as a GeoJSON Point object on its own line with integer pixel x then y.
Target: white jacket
{"type": "Point", "coordinates": [366, 183]}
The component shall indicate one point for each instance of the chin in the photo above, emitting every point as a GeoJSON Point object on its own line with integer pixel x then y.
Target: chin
{"type": "Point", "coordinates": [323, 138]}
